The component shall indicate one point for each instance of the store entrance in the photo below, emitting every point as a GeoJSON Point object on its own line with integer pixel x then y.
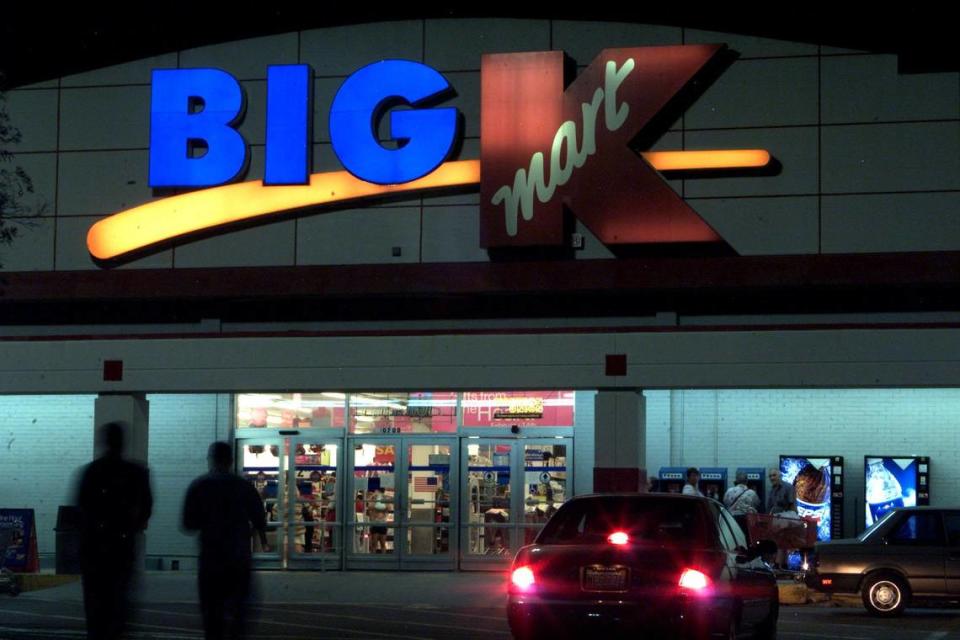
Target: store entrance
{"type": "Point", "coordinates": [403, 502]}
{"type": "Point", "coordinates": [297, 478]}
{"type": "Point", "coordinates": [511, 488]}
{"type": "Point", "coordinates": [404, 497]}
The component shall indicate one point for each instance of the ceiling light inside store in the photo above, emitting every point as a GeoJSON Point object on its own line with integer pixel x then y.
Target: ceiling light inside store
{"type": "Point", "coordinates": [256, 400]}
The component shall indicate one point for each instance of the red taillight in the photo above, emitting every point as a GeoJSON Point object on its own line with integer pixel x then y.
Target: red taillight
{"type": "Point", "coordinates": [618, 537]}
{"type": "Point", "coordinates": [522, 578]}
{"type": "Point", "coordinates": [694, 580]}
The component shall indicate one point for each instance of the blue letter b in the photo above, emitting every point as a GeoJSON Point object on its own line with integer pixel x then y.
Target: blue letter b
{"type": "Point", "coordinates": [189, 108]}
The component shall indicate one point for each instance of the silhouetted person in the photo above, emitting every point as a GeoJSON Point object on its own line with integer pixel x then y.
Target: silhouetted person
{"type": "Point", "coordinates": [115, 504]}
{"type": "Point", "coordinates": [225, 509]}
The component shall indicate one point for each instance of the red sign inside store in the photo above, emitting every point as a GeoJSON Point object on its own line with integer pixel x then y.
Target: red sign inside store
{"type": "Point", "coordinates": [525, 408]}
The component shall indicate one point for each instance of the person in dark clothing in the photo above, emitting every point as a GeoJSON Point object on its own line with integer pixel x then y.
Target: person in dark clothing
{"type": "Point", "coordinates": [115, 504]}
{"type": "Point", "coordinates": [225, 509]}
{"type": "Point", "coordinates": [307, 514]}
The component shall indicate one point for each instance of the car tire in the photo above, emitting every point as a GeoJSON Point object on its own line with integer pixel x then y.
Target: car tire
{"type": "Point", "coordinates": [732, 633]}
{"type": "Point", "coordinates": [524, 632]}
{"type": "Point", "coordinates": [768, 628]}
{"type": "Point", "coordinates": [885, 594]}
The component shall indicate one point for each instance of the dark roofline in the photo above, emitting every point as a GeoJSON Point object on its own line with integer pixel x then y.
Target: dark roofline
{"type": "Point", "coordinates": [34, 48]}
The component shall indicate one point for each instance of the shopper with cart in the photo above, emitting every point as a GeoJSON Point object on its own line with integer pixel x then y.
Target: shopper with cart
{"type": "Point", "coordinates": [741, 500]}
{"type": "Point", "coordinates": [781, 497]}
{"type": "Point", "coordinates": [781, 501]}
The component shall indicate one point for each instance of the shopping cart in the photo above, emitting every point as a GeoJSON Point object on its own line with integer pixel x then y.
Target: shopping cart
{"type": "Point", "coordinates": [9, 581]}
{"type": "Point", "coordinates": [788, 533]}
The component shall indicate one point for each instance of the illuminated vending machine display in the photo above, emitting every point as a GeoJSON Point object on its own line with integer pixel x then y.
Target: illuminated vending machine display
{"type": "Point", "coordinates": [672, 479]}
{"type": "Point", "coordinates": [818, 484]}
{"type": "Point", "coordinates": [756, 480]}
{"type": "Point", "coordinates": [891, 482]}
{"type": "Point", "coordinates": [713, 482]}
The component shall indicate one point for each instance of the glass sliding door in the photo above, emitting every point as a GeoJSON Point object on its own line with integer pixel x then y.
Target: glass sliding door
{"type": "Point", "coordinates": [314, 493]}
{"type": "Point", "coordinates": [546, 482]}
{"type": "Point", "coordinates": [429, 512]}
{"type": "Point", "coordinates": [265, 464]}
{"type": "Point", "coordinates": [510, 488]}
{"type": "Point", "coordinates": [403, 494]}
{"type": "Point", "coordinates": [488, 521]}
{"type": "Point", "coordinates": [371, 533]}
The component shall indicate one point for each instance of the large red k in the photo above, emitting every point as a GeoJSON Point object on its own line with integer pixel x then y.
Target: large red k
{"type": "Point", "coordinates": [543, 147]}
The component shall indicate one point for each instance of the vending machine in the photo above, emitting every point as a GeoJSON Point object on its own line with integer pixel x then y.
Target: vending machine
{"type": "Point", "coordinates": [756, 480]}
{"type": "Point", "coordinates": [818, 484]}
{"type": "Point", "coordinates": [713, 482]}
{"type": "Point", "coordinates": [891, 482]}
{"type": "Point", "coordinates": [672, 479]}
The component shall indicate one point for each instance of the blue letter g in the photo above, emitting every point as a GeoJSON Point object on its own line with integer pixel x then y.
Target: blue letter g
{"type": "Point", "coordinates": [425, 136]}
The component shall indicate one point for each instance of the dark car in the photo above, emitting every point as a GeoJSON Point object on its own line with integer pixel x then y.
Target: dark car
{"type": "Point", "coordinates": [642, 565]}
{"type": "Point", "coordinates": [910, 555]}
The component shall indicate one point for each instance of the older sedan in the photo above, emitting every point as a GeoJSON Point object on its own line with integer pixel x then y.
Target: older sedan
{"type": "Point", "coordinates": [910, 555]}
{"type": "Point", "coordinates": [642, 565]}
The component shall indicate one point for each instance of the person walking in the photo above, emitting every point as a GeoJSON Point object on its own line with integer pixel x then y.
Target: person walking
{"type": "Point", "coordinates": [115, 504]}
{"type": "Point", "coordinates": [225, 509]}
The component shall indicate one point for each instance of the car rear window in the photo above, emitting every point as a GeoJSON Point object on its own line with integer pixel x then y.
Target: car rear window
{"type": "Point", "coordinates": [645, 520]}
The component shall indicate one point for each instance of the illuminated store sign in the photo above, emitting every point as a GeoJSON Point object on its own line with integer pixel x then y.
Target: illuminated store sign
{"type": "Point", "coordinates": [543, 147]}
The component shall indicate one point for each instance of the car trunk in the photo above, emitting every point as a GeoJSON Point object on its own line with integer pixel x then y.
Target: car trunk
{"type": "Point", "coordinates": [601, 571]}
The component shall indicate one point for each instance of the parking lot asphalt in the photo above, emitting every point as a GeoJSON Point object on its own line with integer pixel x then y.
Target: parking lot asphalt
{"type": "Point", "coordinates": [406, 606]}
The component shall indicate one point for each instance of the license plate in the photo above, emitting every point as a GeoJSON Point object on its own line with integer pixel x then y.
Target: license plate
{"type": "Point", "coordinates": [598, 578]}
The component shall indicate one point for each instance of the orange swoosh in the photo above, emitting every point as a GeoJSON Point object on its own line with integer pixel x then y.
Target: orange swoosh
{"type": "Point", "coordinates": [176, 216]}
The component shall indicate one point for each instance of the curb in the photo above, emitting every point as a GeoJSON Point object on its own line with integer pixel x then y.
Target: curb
{"type": "Point", "coordinates": [38, 581]}
{"type": "Point", "coordinates": [793, 593]}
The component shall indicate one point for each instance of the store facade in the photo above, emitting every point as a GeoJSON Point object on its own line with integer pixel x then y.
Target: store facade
{"type": "Point", "coordinates": [365, 342]}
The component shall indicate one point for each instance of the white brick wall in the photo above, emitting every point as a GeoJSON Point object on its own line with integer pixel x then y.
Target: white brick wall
{"type": "Point", "coordinates": [44, 440]}
{"type": "Point", "coordinates": [658, 430]}
{"type": "Point", "coordinates": [756, 426]}
{"type": "Point", "coordinates": [583, 441]}
{"type": "Point", "coordinates": [181, 429]}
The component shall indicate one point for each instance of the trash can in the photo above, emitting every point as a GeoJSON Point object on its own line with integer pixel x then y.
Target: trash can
{"type": "Point", "coordinates": [68, 540]}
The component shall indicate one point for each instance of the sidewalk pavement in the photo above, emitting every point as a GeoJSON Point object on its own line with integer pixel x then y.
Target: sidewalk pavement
{"type": "Point", "coordinates": [473, 589]}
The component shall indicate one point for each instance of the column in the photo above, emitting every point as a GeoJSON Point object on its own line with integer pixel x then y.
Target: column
{"type": "Point", "coordinates": [133, 410]}
{"type": "Point", "coordinates": [621, 442]}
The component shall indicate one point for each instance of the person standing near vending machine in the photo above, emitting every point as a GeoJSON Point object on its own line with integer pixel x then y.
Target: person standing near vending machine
{"type": "Point", "coordinates": [781, 497]}
{"type": "Point", "coordinates": [781, 500]}
{"type": "Point", "coordinates": [692, 487]}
